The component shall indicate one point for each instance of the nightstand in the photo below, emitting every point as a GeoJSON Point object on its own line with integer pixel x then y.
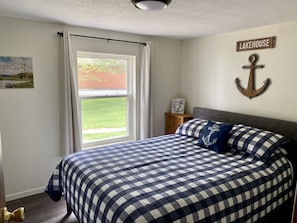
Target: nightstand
{"type": "Point", "coordinates": [175, 120]}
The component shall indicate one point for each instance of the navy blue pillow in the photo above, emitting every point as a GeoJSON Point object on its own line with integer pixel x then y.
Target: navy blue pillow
{"type": "Point", "coordinates": [214, 136]}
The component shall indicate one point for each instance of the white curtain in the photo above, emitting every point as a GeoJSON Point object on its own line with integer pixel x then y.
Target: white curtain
{"type": "Point", "coordinates": [145, 94]}
{"type": "Point", "coordinates": [70, 104]}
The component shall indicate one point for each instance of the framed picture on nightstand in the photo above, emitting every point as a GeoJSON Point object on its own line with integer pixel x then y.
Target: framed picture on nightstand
{"type": "Point", "coordinates": [178, 106]}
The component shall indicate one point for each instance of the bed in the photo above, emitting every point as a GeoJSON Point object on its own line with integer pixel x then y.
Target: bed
{"type": "Point", "coordinates": [247, 175]}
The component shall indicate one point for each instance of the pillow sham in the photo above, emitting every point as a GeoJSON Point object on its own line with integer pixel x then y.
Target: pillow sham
{"type": "Point", "coordinates": [191, 128]}
{"type": "Point", "coordinates": [214, 136]}
{"type": "Point", "coordinates": [257, 142]}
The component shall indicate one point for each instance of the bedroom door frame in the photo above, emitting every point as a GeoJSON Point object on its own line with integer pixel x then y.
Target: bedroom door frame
{"type": "Point", "coordinates": [2, 189]}
{"type": "Point", "coordinates": [294, 212]}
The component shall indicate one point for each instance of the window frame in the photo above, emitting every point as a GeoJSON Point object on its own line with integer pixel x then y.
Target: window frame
{"type": "Point", "coordinates": [131, 105]}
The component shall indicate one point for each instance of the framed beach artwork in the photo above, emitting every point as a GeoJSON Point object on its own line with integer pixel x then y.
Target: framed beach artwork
{"type": "Point", "coordinates": [16, 72]}
{"type": "Point", "coordinates": [178, 105]}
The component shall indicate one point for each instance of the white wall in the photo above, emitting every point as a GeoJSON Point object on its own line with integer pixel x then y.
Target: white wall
{"type": "Point", "coordinates": [211, 64]}
{"type": "Point", "coordinates": [166, 64]}
{"type": "Point", "coordinates": [29, 118]}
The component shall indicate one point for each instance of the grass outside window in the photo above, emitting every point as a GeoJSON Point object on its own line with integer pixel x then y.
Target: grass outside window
{"type": "Point", "coordinates": [103, 118]}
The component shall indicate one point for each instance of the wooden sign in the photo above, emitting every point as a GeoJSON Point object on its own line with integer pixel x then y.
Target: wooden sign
{"type": "Point", "coordinates": [253, 44]}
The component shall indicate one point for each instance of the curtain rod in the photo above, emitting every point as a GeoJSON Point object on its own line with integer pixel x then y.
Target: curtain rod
{"type": "Point", "coordinates": [102, 38]}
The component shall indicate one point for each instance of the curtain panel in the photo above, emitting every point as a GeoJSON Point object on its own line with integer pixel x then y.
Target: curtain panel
{"type": "Point", "coordinates": [70, 104]}
{"type": "Point", "coordinates": [145, 93]}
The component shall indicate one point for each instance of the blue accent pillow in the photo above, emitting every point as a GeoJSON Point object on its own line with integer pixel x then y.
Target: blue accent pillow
{"type": "Point", "coordinates": [214, 136]}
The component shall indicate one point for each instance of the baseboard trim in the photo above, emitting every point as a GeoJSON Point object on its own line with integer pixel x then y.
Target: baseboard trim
{"type": "Point", "coordinates": [23, 194]}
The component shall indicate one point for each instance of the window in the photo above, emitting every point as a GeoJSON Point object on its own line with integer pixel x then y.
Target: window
{"type": "Point", "coordinates": [106, 85]}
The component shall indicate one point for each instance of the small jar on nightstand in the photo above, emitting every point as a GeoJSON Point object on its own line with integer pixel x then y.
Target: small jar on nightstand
{"type": "Point", "coordinates": [173, 121]}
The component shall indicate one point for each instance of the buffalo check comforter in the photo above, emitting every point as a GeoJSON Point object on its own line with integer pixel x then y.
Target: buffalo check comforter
{"type": "Point", "coordinates": [170, 179]}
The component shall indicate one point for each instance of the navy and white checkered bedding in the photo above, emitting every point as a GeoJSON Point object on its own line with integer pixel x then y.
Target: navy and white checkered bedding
{"type": "Point", "coordinates": [170, 179]}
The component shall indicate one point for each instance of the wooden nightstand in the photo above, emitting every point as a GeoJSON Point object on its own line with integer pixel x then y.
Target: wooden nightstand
{"type": "Point", "coordinates": [175, 120]}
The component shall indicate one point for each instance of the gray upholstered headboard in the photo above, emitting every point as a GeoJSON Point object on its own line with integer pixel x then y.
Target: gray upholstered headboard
{"type": "Point", "coordinates": [285, 128]}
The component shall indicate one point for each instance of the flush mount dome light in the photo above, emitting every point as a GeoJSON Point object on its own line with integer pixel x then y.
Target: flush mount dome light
{"type": "Point", "coordinates": [151, 4]}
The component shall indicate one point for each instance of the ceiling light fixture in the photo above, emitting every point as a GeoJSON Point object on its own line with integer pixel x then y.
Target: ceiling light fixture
{"type": "Point", "coordinates": [151, 4]}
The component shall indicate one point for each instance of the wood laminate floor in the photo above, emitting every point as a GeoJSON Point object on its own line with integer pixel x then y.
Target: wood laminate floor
{"type": "Point", "coordinates": [40, 208]}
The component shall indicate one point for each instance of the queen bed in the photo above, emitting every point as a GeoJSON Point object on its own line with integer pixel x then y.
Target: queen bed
{"type": "Point", "coordinates": [218, 167]}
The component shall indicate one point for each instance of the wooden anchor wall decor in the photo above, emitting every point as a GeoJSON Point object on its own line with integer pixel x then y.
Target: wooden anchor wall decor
{"type": "Point", "coordinates": [251, 91]}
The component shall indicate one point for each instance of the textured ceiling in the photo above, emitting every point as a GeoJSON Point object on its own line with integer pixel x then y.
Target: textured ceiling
{"type": "Point", "coordinates": [182, 19]}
